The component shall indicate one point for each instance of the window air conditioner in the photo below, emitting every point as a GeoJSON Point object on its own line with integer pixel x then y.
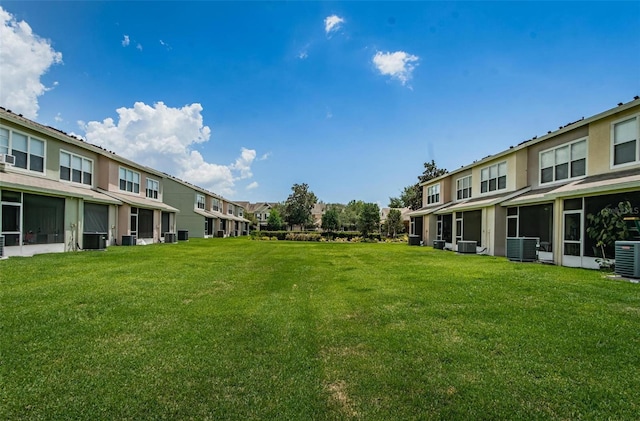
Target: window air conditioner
{"type": "Point", "coordinates": [467, 247]}
{"type": "Point", "coordinates": [7, 159]}
{"type": "Point", "coordinates": [522, 249]}
{"type": "Point", "coordinates": [628, 259]}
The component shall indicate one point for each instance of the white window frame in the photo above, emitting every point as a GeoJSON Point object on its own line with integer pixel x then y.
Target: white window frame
{"type": "Point", "coordinates": [8, 148]}
{"type": "Point", "coordinates": [460, 182]}
{"type": "Point", "coordinates": [215, 204]}
{"type": "Point", "coordinates": [230, 209]}
{"type": "Point", "coordinates": [200, 201]}
{"type": "Point", "coordinates": [636, 161]}
{"type": "Point", "coordinates": [151, 189]}
{"type": "Point", "coordinates": [497, 177]}
{"type": "Point", "coordinates": [83, 161]}
{"type": "Point", "coordinates": [433, 194]}
{"type": "Point", "coordinates": [570, 162]}
{"type": "Point", "coordinates": [126, 180]}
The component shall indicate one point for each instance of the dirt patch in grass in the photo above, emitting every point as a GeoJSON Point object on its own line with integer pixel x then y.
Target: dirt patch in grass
{"type": "Point", "coordinates": [339, 398]}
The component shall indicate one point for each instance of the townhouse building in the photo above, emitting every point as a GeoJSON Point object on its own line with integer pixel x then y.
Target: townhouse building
{"type": "Point", "coordinates": [59, 193]}
{"type": "Point", "coordinates": [204, 214]}
{"type": "Point", "coordinates": [543, 188]}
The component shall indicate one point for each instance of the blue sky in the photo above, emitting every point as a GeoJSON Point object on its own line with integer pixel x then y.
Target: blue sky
{"type": "Point", "coordinates": [248, 98]}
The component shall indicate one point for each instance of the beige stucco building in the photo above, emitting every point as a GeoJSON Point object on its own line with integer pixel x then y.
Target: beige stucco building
{"type": "Point", "coordinates": [542, 188]}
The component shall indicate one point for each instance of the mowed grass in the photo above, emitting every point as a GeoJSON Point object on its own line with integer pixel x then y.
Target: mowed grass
{"type": "Point", "coordinates": [239, 329]}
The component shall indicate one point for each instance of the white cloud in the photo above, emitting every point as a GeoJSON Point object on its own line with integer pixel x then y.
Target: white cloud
{"type": "Point", "coordinates": [332, 23]}
{"type": "Point", "coordinates": [164, 138]}
{"type": "Point", "coordinates": [24, 59]}
{"type": "Point", "coordinates": [265, 156]}
{"type": "Point", "coordinates": [398, 65]}
{"type": "Point", "coordinates": [303, 54]}
{"type": "Point", "coordinates": [58, 118]}
{"type": "Point", "coordinates": [139, 46]}
{"type": "Point", "coordinates": [126, 41]}
{"type": "Point", "coordinates": [252, 186]}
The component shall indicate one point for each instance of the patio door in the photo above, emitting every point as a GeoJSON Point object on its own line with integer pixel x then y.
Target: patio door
{"type": "Point", "coordinates": [572, 238]}
{"type": "Point", "coordinates": [12, 224]}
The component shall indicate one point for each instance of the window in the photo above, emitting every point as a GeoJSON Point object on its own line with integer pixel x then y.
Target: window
{"type": "Point", "coordinates": [493, 178]}
{"type": "Point", "coordinates": [230, 210]}
{"type": "Point", "coordinates": [75, 168]}
{"type": "Point", "coordinates": [240, 212]}
{"type": "Point", "coordinates": [215, 204]}
{"type": "Point", "coordinates": [433, 194]}
{"type": "Point", "coordinates": [4, 141]}
{"type": "Point", "coordinates": [564, 162]}
{"type": "Point", "coordinates": [625, 141]}
{"type": "Point", "coordinates": [29, 151]}
{"type": "Point", "coordinates": [199, 201]}
{"type": "Point", "coordinates": [153, 189]}
{"type": "Point", "coordinates": [129, 180]}
{"type": "Point", "coordinates": [463, 188]}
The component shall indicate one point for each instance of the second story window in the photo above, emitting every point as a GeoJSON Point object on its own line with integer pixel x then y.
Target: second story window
{"type": "Point", "coordinates": [129, 180]}
{"type": "Point", "coordinates": [75, 168]}
{"type": "Point", "coordinates": [626, 148]}
{"type": "Point", "coordinates": [199, 201]}
{"type": "Point", "coordinates": [28, 151]}
{"type": "Point", "coordinates": [463, 188]}
{"type": "Point", "coordinates": [230, 210]}
{"type": "Point", "coordinates": [493, 178]}
{"type": "Point", "coordinates": [153, 189]}
{"type": "Point", "coordinates": [215, 204]}
{"type": "Point", "coordinates": [564, 162]}
{"type": "Point", "coordinates": [433, 194]}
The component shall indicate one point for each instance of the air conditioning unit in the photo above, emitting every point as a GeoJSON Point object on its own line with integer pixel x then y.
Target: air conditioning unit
{"type": "Point", "coordinates": [183, 235]}
{"type": "Point", "coordinates": [129, 240]}
{"type": "Point", "coordinates": [439, 244]}
{"type": "Point", "coordinates": [628, 258]}
{"type": "Point", "coordinates": [1, 246]}
{"type": "Point", "coordinates": [170, 237]}
{"type": "Point", "coordinates": [7, 159]}
{"type": "Point", "coordinates": [94, 241]}
{"type": "Point", "coordinates": [468, 247]}
{"type": "Point", "coordinates": [523, 249]}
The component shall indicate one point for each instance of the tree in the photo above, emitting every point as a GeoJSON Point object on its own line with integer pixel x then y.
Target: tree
{"type": "Point", "coordinates": [396, 202]}
{"type": "Point", "coordinates": [351, 214]}
{"type": "Point", "coordinates": [394, 223]}
{"type": "Point", "coordinates": [331, 219]}
{"type": "Point", "coordinates": [251, 217]}
{"type": "Point", "coordinates": [274, 222]}
{"type": "Point", "coordinates": [369, 220]}
{"type": "Point", "coordinates": [299, 205]}
{"type": "Point", "coordinates": [431, 171]}
{"type": "Point", "coordinates": [608, 226]}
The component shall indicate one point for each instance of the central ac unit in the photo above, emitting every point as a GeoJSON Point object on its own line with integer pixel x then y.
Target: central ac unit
{"type": "Point", "coordinates": [628, 258]}
{"type": "Point", "coordinates": [7, 159]}
{"type": "Point", "coordinates": [94, 241]}
{"type": "Point", "coordinates": [170, 237]}
{"type": "Point", "coordinates": [1, 246]}
{"type": "Point", "coordinates": [522, 249]}
{"type": "Point", "coordinates": [467, 247]}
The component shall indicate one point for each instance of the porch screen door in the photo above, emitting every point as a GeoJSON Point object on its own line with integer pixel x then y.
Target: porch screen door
{"type": "Point", "coordinates": [572, 238]}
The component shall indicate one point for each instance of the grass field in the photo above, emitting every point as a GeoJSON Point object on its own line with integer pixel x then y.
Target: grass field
{"type": "Point", "coordinates": [248, 330]}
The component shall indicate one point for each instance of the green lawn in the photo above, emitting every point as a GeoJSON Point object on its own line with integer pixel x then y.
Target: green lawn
{"type": "Point", "coordinates": [240, 329]}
